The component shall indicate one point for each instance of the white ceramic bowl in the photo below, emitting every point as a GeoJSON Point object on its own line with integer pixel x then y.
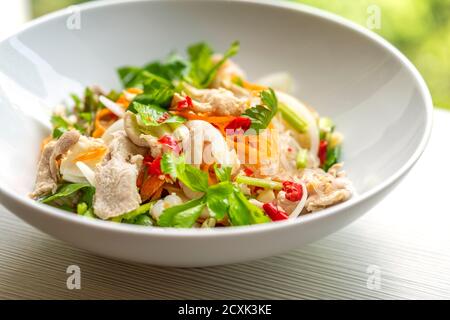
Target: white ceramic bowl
{"type": "Point", "coordinates": [377, 98]}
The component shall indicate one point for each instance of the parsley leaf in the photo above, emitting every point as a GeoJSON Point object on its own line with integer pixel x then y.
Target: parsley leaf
{"type": "Point", "coordinates": [261, 115]}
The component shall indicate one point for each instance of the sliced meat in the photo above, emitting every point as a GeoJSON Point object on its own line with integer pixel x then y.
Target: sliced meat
{"type": "Point", "coordinates": [115, 179]}
{"type": "Point", "coordinates": [142, 140]}
{"type": "Point", "coordinates": [48, 171]}
{"type": "Point", "coordinates": [44, 180]}
{"type": "Point", "coordinates": [326, 188]}
{"type": "Point", "coordinates": [318, 202]}
{"type": "Point", "coordinates": [63, 145]}
{"type": "Point", "coordinates": [218, 102]}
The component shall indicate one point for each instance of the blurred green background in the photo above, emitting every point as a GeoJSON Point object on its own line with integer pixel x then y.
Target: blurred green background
{"type": "Point", "coordinates": [419, 28]}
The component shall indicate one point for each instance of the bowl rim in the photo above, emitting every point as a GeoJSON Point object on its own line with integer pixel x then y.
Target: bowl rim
{"type": "Point", "coordinates": [238, 230]}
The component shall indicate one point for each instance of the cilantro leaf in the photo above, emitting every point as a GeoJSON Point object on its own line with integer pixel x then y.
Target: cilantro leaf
{"type": "Point", "coordinates": [153, 115]}
{"type": "Point", "coordinates": [217, 199]}
{"type": "Point", "coordinates": [203, 69]}
{"type": "Point", "coordinates": [223, 173]}
{"type": "Point", "coordinates": [242, 212]}
{"type": "Point", "coordinates": [261, 115]}
{"type": "Point", "coordinates": [183, 215]}
{"type": "Point", "coordinates": [173, 68]}
{"type": "Point", "coordinates": [194, 178]}
{"type": "Point", "coordinates": [157, 91]}
{"type": "Point", "coordinates": [60, 125]}
{"type": "Point", "coordinates": [68, 195]}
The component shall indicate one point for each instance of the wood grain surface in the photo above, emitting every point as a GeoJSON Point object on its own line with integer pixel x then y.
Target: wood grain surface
{"type": "Point", "coordinates": [406, 238]}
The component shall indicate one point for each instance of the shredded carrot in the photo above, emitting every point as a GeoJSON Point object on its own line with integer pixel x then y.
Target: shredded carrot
{"type": "Point", "coordinates": [140, 178]}
{"type": "Point", "coordinates": [202, 116]}
{"type": "Point", "coordinates": [91, 154]}
{"type": "Point", "coordinates": [157, 194]}
{"type": "Point", "coordinates": [253, 86]}
{"type": "Point", "coordinates": [219, 121]}
{"type": "Point", "coordinates": [123, 101]}
{"type": "Point", "coordinates": [103, 119]}
{"type": "Point", "coordinates": [135, 90]}
{"type": "Point", "coordinates": [150, 186]}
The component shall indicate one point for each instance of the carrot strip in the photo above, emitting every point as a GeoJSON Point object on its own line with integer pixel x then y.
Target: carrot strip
{"type": "Point", "coordinates": [253, 86]}
{"type": "Point", "coordinates": [150, 186]}
{"type": "Point", "coordinates": [103, 119]}
{"type": "Point", "coordinates": [205, 117]}
{"type": "Point", "coordinates": [135, 90]}
{"type": "Point", "coordinates": [123, 101]}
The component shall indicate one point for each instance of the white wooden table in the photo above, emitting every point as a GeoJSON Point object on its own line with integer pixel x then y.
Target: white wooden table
{"type": "Point", "coordinates": [405, 240]}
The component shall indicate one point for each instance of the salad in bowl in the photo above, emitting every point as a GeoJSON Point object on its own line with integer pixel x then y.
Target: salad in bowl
{"type": "Point", "coordinates": [189, 142]}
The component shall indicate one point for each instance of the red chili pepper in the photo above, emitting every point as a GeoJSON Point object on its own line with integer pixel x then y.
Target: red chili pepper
{"type": "Point", "coordinates": [248, 171]}
{"type": "Point", "coordinates": [274, 213]}
{"type": "Point", "coordinates": [171, 143]}
{"type": "Point", "coordinates": [323, 151]}
{"type": "Point", "coordinates": [294, 191]}
{"type": "Point", "coordinates": [148, 159]}
{"type": "Point", "coordinates": [185, 103]}
{"type": "Point", "coordinates": [155, 167]}
{"type": "Point", "coordinates": [243, 123]}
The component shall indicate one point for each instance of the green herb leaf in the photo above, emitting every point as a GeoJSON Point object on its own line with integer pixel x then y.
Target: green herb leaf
{"type": "Point", "coordinates": [223, 173]}
{"type": "Point", "coordinates": [217, 199]}
{"type": "Point", "coordinates": [261, 115]}
{"type": "Point", "coordinates": [152, 115]}
{"type": "Point", "coordinates": [68, 190]}
{"type": "Point", "coordinates": [242, 212]}
{"type": "Point", "coordinates": [157, 91]}
{"type": "Point", "coordinates": [173, 68]}
{"type": "Point", "coordinates": [184, 215]}
{"type": "Point", "coordinates": [60, 125]}
{"type": "Point", "coordinates": [203, 69]}
{"type": "Point", "coordinates": [194, 178]}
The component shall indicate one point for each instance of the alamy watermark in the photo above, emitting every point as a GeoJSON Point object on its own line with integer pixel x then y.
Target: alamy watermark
{"type": "Point", "coordinates": [73, 22]}
{"type": "Point", "coordinates": [73, 281]}
{"type": "Point", "coordinates": [373, 21]}
{"type": "Point", "coordinates": [374, 279]}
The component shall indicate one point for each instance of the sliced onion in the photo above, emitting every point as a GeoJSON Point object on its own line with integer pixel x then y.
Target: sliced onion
{"type": "Point", "coordinates": [313, 130]}
{"type": "Point", "coordinates": [88, 173]}
{"type": "Point", "coordinates": [301, 204]}
{"type": "Point", "coordinates": [112, 106]}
